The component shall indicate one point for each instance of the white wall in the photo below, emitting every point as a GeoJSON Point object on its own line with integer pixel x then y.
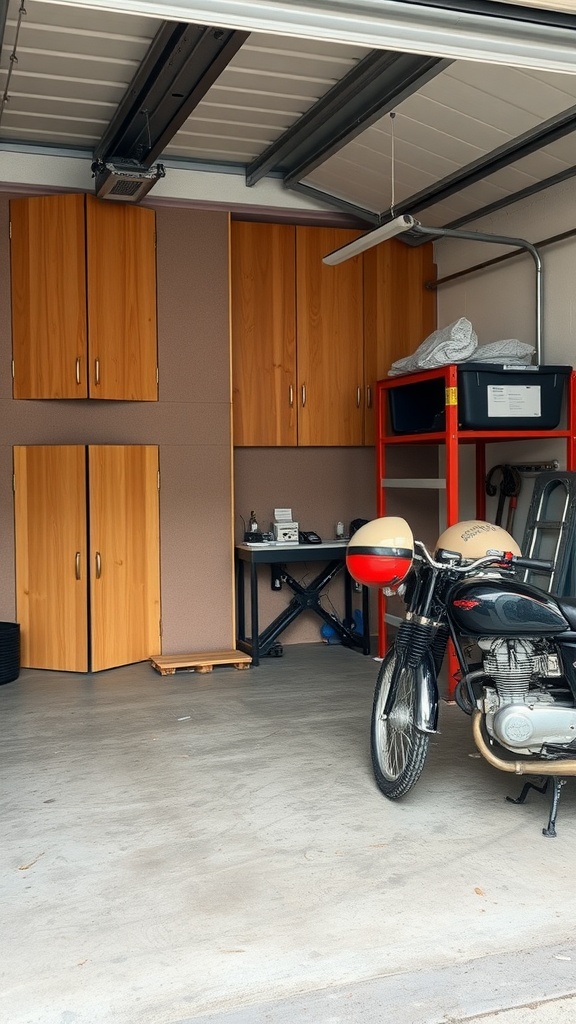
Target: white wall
{"type": "Point", "coordinates": [500, 302]}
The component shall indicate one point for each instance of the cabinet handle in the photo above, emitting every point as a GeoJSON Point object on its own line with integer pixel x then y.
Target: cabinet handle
{"type": "Point", "coordinates": [291, 396]}
{"type": "Point", "coordinates": [97, 370]}
{"type": "Point", "coordinates": [303, 395]}
{"type": "Point", "coordinates": [77, 565]}
{"type": "Point", "coordinates": [368, 397]}
{"type": "Point", "coordinates": [358, 396]}
{"type": "Point", "coordinates": [98, 565]}
{"type": "Point", "coordinates": [78, 370]}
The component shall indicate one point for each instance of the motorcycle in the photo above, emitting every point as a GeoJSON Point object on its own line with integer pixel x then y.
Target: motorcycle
{"type": "Point", "coordinates": [515, 646]}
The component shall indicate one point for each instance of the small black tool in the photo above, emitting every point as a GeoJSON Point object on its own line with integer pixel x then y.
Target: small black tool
{"type": "Point", "coordinates": [309, 537]}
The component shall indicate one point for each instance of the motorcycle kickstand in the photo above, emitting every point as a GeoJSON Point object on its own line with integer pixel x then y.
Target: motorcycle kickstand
{"type": "Point", "coordinates": [557, 783]}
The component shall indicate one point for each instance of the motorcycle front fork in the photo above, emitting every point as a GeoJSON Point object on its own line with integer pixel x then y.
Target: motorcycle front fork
{"type": "Point", "coordinates": [557, 783]}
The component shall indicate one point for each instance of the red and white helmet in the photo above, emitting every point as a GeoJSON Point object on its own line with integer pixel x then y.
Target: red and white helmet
{"type": "Point", "coordinates": [380, 553]}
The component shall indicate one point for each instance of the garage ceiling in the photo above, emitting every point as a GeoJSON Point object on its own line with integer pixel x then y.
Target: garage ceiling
{"type": "Point", "coordinates": [466, 137]}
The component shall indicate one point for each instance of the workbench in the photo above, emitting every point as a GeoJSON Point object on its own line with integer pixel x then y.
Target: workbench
{"type": "Point", "coordinates": [306, 597]}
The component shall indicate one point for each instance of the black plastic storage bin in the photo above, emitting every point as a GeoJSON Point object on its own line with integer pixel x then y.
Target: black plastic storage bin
{"type": "Point", "coordinates": [9, 651]}
{"type": "Point", "coordinates": [490, 397]}
{"type": "Point", "coordinates": [418, 408]}
{"type": "Point", "coordinates": [510, 397]}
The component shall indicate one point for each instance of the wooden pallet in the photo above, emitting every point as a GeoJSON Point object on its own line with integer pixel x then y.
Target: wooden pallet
{"type": "Point", "coordinates": [201, 661]}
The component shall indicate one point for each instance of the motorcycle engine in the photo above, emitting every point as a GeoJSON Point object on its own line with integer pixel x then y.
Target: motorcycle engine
{"type": "Point", "coordinates": [522, 713]}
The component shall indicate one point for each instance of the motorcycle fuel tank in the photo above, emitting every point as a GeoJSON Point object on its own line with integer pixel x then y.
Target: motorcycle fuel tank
{"type": "Point", "coordinates": [500, 607]}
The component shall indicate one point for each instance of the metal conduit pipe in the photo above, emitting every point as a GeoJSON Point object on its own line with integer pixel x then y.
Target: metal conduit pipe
{"type": "Point", "coordinates": [565, 767]}
{"type": "Point", "coordinates": [519, 243]}
{"type": "Point", "coordinates": [476, 267]}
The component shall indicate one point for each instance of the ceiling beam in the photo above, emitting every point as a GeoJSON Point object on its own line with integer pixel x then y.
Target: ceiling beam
{"type": "Point", "coordinates": [408, 27]}
{"type": "Point", "coordinates": [510, 153]}
{"type": "Point", "coordinates": [3, 16]}
{"type": "Point", "coordinates": [358, 212]}
{"type": "Point", "coordinates": [182, 63]}
{"type": "Point", "coordinates": [514, 197]}
{"type": "Point", "coordinates": [371, 89]}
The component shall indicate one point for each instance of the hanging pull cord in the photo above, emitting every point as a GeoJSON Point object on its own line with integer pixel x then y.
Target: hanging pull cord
{"type": "Point", "coordinates": [393, 165]}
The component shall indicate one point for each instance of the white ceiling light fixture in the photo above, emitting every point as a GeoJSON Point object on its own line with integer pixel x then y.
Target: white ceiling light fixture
{"type": "Point", "coordinates": [381, 234]}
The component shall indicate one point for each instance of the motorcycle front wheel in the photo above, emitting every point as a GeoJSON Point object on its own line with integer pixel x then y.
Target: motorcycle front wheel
{"type": "Point", "coordinates": [398, 748]}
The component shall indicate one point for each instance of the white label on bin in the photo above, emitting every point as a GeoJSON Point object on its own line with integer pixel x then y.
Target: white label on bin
{"type": "Point", "coordinates": [514, 400]}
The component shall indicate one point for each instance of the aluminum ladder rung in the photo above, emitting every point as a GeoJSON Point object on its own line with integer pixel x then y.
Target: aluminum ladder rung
{"type": "Point", "coordinates": [560, 533]}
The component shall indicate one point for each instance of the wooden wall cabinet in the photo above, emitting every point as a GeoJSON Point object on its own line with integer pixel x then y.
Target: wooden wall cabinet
{"type": "Point", "coordinates": [83, 275]}
{"type": "Point", "coordinates": [263, 291]}
{"type": "Point", "coordinates": [87, 555]}
{"type": "Point", "coordinates": [329, 306]}
{"type": "Point", "coordinates": [399, 312]}
{"type": "Point", "coordinates": [296, 337]}
{"type": "Point", "coordinates": [309, 342]}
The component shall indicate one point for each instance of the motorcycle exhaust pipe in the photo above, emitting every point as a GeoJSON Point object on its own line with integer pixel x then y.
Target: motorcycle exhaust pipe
{"type": "Point", "coordinates": [566, 767]}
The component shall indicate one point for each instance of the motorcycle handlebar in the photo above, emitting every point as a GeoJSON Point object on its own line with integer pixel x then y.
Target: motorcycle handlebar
{"type": "Point", "coordinates": [501, 558]}
{"type": "Point", "coordinates": [532, 563]}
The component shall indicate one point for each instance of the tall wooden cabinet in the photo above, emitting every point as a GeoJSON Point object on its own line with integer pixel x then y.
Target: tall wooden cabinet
{"type": "Point", "coordinates": [87, 555]}
{"type": "Point", "coordinates": [296, 337]}
{"type": "Point", "coordinates": [263, 288]}
{"type": "Point", "coordinates": [83, 274]}
{"type": "Point", "coordinates": [330, 336]}
{"type": "Point", "coordinates": [309, 342]}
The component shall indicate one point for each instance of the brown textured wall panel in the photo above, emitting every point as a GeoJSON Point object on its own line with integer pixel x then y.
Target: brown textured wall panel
{"type": "Point", "coordinates": [115, 422]}
{"type": "Point", "coordinates": [196, 549]}
{"type": "Point", "coordinates": [194, 360]}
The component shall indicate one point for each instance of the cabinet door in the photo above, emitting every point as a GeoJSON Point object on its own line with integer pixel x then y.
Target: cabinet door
{"type": "Point", "coordinates": [399, 311]}
{"type": "Point", "coordinates": [48, 297]}
{"type": "Point", "coordinates": [51, 566]}
{"type": "Point", "coordinates": [122, 330]}
{"type": "Point", "coordinates": [124, 545]}
{"type": "Point", "coordinates": [263, 333]}
{"type": "Point", "coordinates": [330, 340]}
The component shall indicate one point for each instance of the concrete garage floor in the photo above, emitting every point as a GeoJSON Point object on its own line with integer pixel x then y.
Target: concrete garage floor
{"type": "Point", "coordinates": [213, 847]}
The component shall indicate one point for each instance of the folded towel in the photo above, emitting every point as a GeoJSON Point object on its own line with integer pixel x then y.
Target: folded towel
{"type": "Point", "coordinates": [509, 350]}
{"type": "Point", "coordinates": [452, 344]}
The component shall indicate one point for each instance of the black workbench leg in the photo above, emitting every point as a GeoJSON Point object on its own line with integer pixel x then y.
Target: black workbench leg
{"type": "Point", "coordinates": [348, 620]}
{"type": "Point", "coordinates": [254, 613]}
{"type": "Point", "coordinates": [366, 619]}
{"type": "Point", "coordinates": [240, 603]}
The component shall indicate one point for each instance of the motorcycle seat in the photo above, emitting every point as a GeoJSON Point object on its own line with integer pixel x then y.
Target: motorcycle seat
{"type": "Point", "coordinates": [567, 606]}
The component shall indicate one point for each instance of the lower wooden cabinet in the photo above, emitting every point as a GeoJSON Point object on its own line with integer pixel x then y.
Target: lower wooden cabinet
{"type": "Point", "coordinates": [87, 555]}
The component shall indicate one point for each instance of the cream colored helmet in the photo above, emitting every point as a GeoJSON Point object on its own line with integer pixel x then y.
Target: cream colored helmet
{"type": "Point", "coordinates": [473, 538]}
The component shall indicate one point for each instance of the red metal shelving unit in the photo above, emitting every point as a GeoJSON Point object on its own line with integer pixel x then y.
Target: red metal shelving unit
{"type": "Point", "coordinates": [452, 437]}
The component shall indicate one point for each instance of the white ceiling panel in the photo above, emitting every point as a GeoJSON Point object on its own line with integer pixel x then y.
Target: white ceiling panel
{"type": "Point", "coordinates": [455, 119]}
{"type": "Point", "coordinates": [72, 69]}
{"type": "Point", "coordinates": [268, 81]}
